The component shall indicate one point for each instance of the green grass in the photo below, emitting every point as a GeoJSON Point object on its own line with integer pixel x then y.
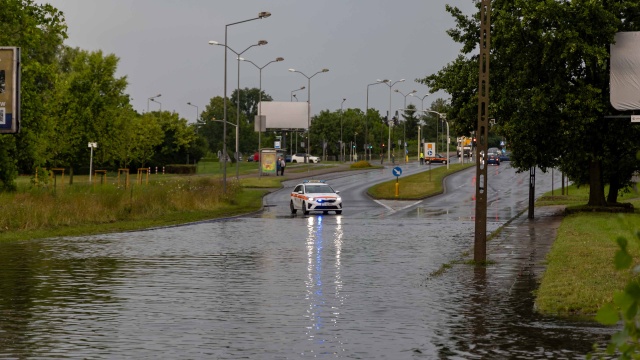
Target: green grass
{"type": "Point", "coordinates": [580, 274]}
{"type": "Point", "coordinates": [417, 186]}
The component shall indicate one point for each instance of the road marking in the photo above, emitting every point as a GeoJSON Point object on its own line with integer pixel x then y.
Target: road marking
{"type": "Point", "coordinates": [392, 210]}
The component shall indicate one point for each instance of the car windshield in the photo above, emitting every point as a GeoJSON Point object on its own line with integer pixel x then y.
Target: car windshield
{"type": "Point", "coordinates": [317, 189]}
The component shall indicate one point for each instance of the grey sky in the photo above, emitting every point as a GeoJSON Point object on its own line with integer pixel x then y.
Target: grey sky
{"type": "Point", "coordinates": [163, 47]}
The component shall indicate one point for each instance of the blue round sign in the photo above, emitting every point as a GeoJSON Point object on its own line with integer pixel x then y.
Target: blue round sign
{"type": "Point", "coordinates": [397, 171]}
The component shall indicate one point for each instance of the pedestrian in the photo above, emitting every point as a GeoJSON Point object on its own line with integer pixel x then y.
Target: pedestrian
{"type": "Point", "coordinates": [278, 166]}
{"type": "Point", "coordinates": [381, 158]}
{"type": "Point", "coordinates": [421, 158]}
{"type": "Point", "coordinates": [283, 163]}
{"type": "Point", "coordinates": [393, 158]}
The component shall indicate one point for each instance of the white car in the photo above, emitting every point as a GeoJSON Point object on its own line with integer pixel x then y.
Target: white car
{"type": "Point", "coordinates": [299, 158]}
{"type": "Point", "coordinates": [315, 195]}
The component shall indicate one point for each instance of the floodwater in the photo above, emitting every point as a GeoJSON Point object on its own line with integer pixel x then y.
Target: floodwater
{"type": "Point", "coordinates": [274, 287]}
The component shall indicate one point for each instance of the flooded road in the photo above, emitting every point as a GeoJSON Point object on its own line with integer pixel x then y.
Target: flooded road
{"type": "Point", "coordinates": [362, 285]}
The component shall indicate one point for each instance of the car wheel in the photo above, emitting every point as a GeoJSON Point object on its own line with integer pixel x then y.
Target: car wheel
{"type": "Point", "coordinates": [325, 212]}
{"type": "Point", "coordinates": [338, 212]}
{"type": "Point", "coordinates": [428, 162]}
{"type": "Point", "coordinates": [304, 208]}
{"type": "Point", "coordinates": [445, 162]}
{"type": "Point", "coordinates": [293, 209]}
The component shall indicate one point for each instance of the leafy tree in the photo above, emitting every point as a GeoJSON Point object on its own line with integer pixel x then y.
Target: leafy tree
{"type": "Point", "coordinates": [178, 138]}
{"type": "Point", "coordinates": [39, 31]}
{"type": "Point", "coordinates": [549, 85]}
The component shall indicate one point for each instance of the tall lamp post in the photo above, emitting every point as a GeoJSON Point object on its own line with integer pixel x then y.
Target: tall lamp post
{"type": "Point", "coordinates": [278, 59]}
{"type": "Point", "coordinates": [404, 123]}
{"type": "Point", "coordinates": [151, 99]}
{"type": "Point", "coordinates": [366, 122]}
{"type": "Point", "coordinates": [261, 15]}
{"type": "Point", "coordinates": [308, 107]}
{"type": "Point", "coordinates": [341, 143]}
{"type": "Point", "coordinates": [197, 111]}
{"type": "Point", "coordinates": [292, 91]}
{"type": "Point", "coordinates": [237, 155]}
{"type": "Point", "coordinates": [390, 85]}
{"type": "Point", "coordinates": [156, 101]}
{"type": "Point", "coordinates": [421, 122]}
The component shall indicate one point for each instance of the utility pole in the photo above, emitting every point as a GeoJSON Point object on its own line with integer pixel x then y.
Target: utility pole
{"type": "Point", "coordinates": [480, 241]}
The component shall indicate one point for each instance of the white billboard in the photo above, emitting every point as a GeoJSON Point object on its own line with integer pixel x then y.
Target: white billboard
{"type": "Point", "coordinates": [625, 71]}
{"type": "Point", "coordinates": [285, 115]}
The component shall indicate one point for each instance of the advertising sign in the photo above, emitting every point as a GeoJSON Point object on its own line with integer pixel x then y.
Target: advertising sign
{"type": "Point", "coordinates": [9, 90]}
{"type": "Point", "coordinates": [430, 149]}
{"type": "Point", "coordinates": [268, 159]}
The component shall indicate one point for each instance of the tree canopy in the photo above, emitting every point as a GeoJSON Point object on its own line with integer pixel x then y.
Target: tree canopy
{"type": "Point", "coordinates": [549, 87]}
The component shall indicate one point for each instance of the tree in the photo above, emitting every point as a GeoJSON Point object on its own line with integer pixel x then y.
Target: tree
{"type": "Point", "coordinates": [39, 31]}
{"type": "Point", "coordinates": [178, 137]}
{"type": "Point", "coordinates": [549, 84]}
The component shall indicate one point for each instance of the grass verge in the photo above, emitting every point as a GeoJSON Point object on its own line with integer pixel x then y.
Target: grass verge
{"type": "Point", "coordinates": [580, 275]}
{"type": "Point", "coordinates": [417, 186]}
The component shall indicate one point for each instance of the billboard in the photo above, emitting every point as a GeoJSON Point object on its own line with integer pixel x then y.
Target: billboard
{"type": "Point", "coordinates": [9, 90]}
{"type": "Point", "coordinates": [625, 71]}
{"type": "Point", "coordinates": [285, 115]}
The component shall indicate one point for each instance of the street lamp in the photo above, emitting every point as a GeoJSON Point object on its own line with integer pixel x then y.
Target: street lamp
{"type": "Point", "coordinates": [293, 95]}
{"type": "Point", "coordinates": [341, 144]}
{"type": "Point", "coordinates": [390, 85]}
{"type": "Point", "coordinates": [444, 118]}
{"type": "Point", "coordinates": [366, 122]}
{"type": "Point", "coordinates": [421, 122]}
{"type": "Point", "coordinates": [197, 111]}
{"type": "Point", "coordinates": [404, 124]}
{"type": "Point", "coordinates": [260, 43]}
{"type": "Point", "coordinates": [308, 107]}
{"type": "Point", "coordinates": [151, 98]}
{"type": "Point", "coordinates": [156, 101]}
{"type": "Point", "coordinates": [278, 59]}
{"type": "Point", "coordinates": [261, 15]}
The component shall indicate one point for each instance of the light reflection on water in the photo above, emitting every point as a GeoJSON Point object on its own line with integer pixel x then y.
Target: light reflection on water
{"type": "Point", "coordinates": [329, 286]}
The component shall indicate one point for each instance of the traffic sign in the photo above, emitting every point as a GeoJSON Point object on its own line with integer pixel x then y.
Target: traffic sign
{"type": "Point", "coordinates": [431, 149]}
{"type": "Point", "coordinates": [397, 171]}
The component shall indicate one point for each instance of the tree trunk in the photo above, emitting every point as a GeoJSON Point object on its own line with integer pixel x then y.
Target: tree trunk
{"type": "Point", "coordinates": [596, 191]}
{"type": "Point", "coordinates": [614, 188]}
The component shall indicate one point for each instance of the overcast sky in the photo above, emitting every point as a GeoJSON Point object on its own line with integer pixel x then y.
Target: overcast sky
{"type": "Point", "coordinates": [163, 48]}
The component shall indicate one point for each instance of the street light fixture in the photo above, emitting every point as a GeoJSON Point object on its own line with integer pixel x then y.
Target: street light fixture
{"type": "Point", "coordinates": [341, 143]}
{"type": "Point", "coordinates": [237, 155]}
{"type": "Point", "coordinates": [278, 59]}
{"type": "Point", "coordinates": [390, 85]}
{"type": "Point", "coordinates": [404, 124]}
{"type": "Point", "coordinates": [421, 122]}
{"type": "Point", "coordinates": [261, 15]}
{"type": "Point", "coordinates": [293, 95]}
{"type": "Point", "coordinates": [197, 111]}
{"type": "Point", "coordinates": [308, 107]}
{"type": "Point", "coordinates": [366, 122]}
{"type": "Point", "coordinates": [151, 98]}
{"type": "Point", "coordinates": [156, 101]}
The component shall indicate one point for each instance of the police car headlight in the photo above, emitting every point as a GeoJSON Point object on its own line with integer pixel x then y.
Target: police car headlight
{"type": "Point", "coordinates": [338, 198]}
{"type": "Point", "coordinates": [310, 199]}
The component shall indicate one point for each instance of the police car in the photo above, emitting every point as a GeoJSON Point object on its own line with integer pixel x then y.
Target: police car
{"type": "Point", "coordinates": [315, 195]}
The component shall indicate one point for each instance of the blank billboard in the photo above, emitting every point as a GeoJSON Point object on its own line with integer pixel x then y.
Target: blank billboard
{"type": "Point", "coordinates": [625, 71]}
{"type": "Point", "coordinates": [285, 115]}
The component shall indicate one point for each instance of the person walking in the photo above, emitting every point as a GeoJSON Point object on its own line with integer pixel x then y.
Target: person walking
{"type": "Point", "coordinates": [283, 163]}
{"type": "Point", "coordinates": [278, 166]}
{"type": "Point", "coordinates": [421, 158]}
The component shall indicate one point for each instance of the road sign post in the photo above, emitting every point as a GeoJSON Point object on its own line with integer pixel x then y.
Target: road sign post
{"type": "Point", "coordinates": [397, 171]}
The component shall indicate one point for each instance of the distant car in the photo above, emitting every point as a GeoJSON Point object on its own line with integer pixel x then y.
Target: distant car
{"type": "Point", "coordinates": [287, 158]}
{"type": "Point", "coordinates": [315, 195]}
{"type": "Point", "coordinates": [504, 156]}
{"type": "Point", "coordinates": [299, 158]}
{"type": "Point", "coordinates": [493, 150]}
{"type": "Point", "coordinates": [436, 159]}
{"type": "Point", "coordinates": [493, 159]}
{"type": "Point", "coordinates": [250, 158]}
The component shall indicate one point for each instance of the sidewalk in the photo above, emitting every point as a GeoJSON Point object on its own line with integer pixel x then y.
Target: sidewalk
{"type": "Point", "coordinates": [523, 244]}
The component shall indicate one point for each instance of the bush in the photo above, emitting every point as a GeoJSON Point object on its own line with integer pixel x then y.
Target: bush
{"type": "Point", "coordinates": [180, 169]}
{"type": "Point", "coordinates": [363, 164]}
